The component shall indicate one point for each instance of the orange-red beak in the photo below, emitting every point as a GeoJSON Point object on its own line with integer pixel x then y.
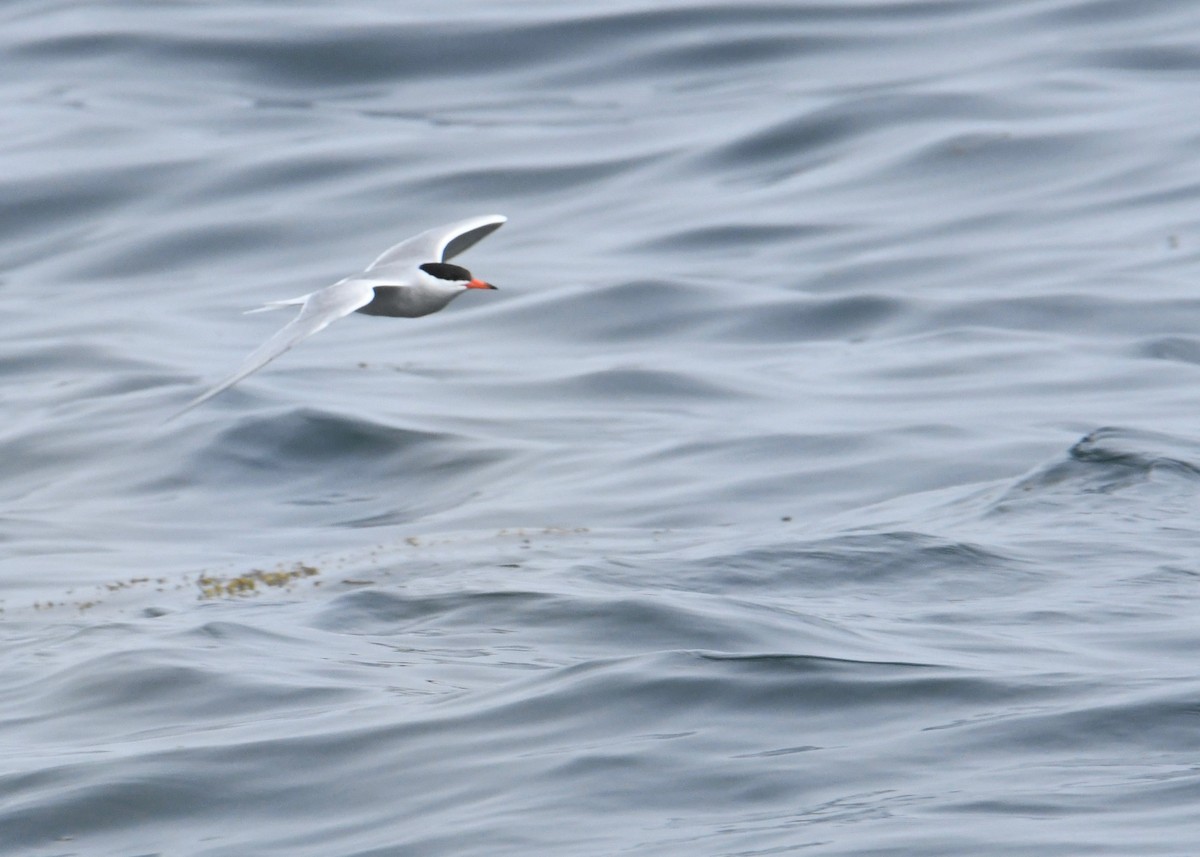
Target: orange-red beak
{"type": "Point", "coordinates": [479, 284]}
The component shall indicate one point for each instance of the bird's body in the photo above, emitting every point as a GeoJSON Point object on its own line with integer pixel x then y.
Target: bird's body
{"type": "Point", "coordinates": [409, 280]}
{"type": "Point", "coordinates": [405, 302]}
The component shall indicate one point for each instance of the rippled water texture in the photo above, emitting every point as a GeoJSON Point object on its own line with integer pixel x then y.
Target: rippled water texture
{"type": "Point", "coordinates": [822, 478]}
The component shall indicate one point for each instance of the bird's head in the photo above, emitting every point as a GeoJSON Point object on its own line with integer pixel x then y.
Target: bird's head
{"type": "Point", "coordinates": [442, 275]}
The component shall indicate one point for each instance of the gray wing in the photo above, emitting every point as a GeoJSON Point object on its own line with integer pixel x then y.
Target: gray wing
{"type": "Point", "coordinates": [321, 308]}
{"type": "Point", "coordinates": [442, 242]}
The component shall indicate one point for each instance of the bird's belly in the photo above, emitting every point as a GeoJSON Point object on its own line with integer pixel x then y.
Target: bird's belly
{"type": "Point", "coordinates": [396, 302]}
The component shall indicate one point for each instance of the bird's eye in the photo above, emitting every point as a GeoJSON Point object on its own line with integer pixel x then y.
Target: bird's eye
{"type": "Point", "coordinates": [444, 271]}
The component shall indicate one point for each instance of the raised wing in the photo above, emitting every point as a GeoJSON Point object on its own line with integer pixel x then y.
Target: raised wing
{"type": "Point", "coordinates": [442, 242]}
{"type": "Point", "coordinates": [321, 308]}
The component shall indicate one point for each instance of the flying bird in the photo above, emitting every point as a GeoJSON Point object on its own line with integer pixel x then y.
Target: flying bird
{"type": "Point", "coordinates": [411, 279]}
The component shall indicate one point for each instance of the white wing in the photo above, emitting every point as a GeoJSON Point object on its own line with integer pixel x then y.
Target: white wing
{"type": "Point", "coordinates": [441, 243]}
{"type": "Point", "coordinates": [320, 308]}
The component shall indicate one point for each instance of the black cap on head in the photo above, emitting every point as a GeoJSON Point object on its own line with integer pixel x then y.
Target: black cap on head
{"type": "Point", "coordinates": [446, 271]}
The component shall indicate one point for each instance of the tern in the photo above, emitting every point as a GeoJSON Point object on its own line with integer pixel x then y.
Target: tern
{"type": "Point", "coordinates": [411, 279]}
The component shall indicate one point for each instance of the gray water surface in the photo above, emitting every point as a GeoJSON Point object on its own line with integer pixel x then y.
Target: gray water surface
{"type": "Point", "coordinates": [822, 478]}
